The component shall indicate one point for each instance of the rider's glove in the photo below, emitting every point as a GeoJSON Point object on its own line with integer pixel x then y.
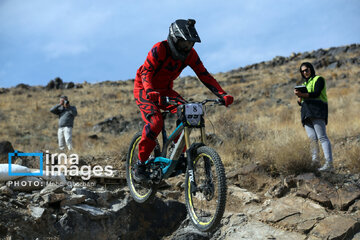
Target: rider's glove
{"type": "Point", "coordinates": [153, 96]}
{"type": "Point", "coordinates": [228, 99]}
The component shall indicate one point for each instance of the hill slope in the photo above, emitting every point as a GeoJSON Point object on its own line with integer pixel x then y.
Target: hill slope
{"type": "Point", "coordinates": [260, 126]}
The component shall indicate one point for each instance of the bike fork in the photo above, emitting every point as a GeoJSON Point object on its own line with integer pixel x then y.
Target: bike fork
{"type": "Point", "coordinates": [190, 170]}
{"type": "Point", "coordinates": [190, 162]}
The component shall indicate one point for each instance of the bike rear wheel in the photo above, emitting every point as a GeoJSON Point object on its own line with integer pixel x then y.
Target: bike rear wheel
{"type": "Point", "coordinates": [206, 203]}
{"type": "Point", "coordinates": [141, 192]}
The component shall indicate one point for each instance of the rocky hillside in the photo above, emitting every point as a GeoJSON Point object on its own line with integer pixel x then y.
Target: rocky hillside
{"type": "Point", "coordinates": [305, 206]}
{"type": "Point", "coordinates": [273, 193]}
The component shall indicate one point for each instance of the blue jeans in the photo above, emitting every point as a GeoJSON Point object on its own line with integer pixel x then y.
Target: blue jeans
{"type": "Point", "coordinates": [316, 130]}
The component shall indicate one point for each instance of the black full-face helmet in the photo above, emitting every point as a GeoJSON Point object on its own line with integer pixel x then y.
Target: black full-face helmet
{"type": "Point", "coordinates": [182, 36]}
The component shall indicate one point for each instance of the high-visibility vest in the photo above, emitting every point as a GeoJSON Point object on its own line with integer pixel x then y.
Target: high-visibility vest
{"type": "Point", "coordinates": [310, 85]}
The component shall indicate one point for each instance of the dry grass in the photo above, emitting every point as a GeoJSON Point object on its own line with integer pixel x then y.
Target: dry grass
{"type": "Point", "coordinates": [263, 125]}
{"type": "Point", "coordinates": [285, 152]}
{"type": "Point", "coordinates": [353, 155]}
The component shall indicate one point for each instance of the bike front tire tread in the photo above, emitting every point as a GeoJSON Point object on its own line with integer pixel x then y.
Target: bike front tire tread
{"type": "Point", "coordinates": [149, 196]}
{"type": "Point", "coordinates": [222, 188]}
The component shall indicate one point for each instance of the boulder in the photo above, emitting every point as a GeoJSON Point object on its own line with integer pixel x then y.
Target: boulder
{"type": "Point", "coordinates": [5, 148]}
{"type": "Point", "coordinates": [114, 125]}
{"type": "Point", "coordinates": [336, 227]}
{"type": "Point", "coordinates": [240, 227]}
{"type": "Point", "coordinates": [23, 86]}
{"type": "Point", "coordinates": [58, 83]}
{"type": "Point", "coordinates": [132, 221]}
{"type": "Point", "coordinates": [5, 190]}
{"type": "Point", "coordinates": [93, 212]}
{"type": "Point", "coordinates": [243, 195]}
{"type": "Point", "coordinates": [333, 65]}
{"type": "Point", "coordinates": [73, 200]}
{"type": "Point", "coordinates": [52, 188]}
{"type": "Point", "coordinates": [36, 212]}
{"type": "Point", "coordinates": [50, 85]}
{"type": "Point", "coordinates": [344, 197]}
{"type": "Point", "coordinates": [69, 85]}
{"type": "Point", "coordinates": [326, 194]}
{"type": "Point", "coordinates": [293, 213]}
{"type": "Point", "coordinates": [53, 197]}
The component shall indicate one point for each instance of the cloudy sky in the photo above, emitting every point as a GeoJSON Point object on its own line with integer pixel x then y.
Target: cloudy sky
{"type": "Point", "coordinates": [94, 41]}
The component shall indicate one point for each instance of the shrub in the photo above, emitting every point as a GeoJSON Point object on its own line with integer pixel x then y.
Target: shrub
{"type": "Point", "coordinates": [284, 152]}
{"type": "Point", "coordinates": [353, 156]}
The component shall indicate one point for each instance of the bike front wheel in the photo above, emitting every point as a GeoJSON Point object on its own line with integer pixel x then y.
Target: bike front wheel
{"type": "Point", "coordinates": [206, 202]}
{"type": "Point", "coordinates": [139, 191]}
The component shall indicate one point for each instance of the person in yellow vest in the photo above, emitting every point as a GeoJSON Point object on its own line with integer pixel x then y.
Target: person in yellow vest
{"type": "Point", "coordinates": [314, 114]}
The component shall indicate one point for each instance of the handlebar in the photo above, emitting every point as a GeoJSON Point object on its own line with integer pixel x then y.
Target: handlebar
{"type": "Point", "coordinates": [175, 101]}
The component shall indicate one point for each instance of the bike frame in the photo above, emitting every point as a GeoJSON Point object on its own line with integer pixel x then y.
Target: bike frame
{"type": "Point", "coordinates": [184, 140]}
{"type": "Point", "coordinates": [198, 157]}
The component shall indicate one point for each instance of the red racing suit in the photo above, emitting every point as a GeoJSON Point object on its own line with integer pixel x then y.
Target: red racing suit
{"type": "Point", "coordinates": [158, 73]}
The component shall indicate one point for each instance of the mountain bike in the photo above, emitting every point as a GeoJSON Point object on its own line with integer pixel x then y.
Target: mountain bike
{"type": "Point", "coordinates": [205, 181]}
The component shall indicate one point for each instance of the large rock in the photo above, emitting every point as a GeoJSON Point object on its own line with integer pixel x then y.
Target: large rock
{"type": "Point", "coordinates": [132, 221]}
{"type": "Point", "coordinates": [52, 188]}
{"type": "Point", "coordinates": [53, 197]}
{"type": "Point", "coordinates": [243, 195]}
{"type": "Point", "coordinates": [92, 212]}
{"type": "Point", "coordinates": [113, 125]}
{"type": "Point", "coordinates": [18, 223]}
{"type": "Point", "coordinates": [118, 124]}
{"type": "Point", "coordinates": [58, 83]}
{"type": "Point", "coordinates": [187, 231]}
{"type": "Point", "coordinates": [345, 196]}
{"type": "Point", "coordinates": [6, 191]}
{"type": "Point", "coordinates": [36, 212]}
{"type": "Point", "coordinates": [293, 213]}
{"type": "Point", "coordinates": [124, 219]}
{"type": "Point", "coordinates": [326, 193]}
{"type": "Point", "coordinates": [336, 227]}
{"type": "Point", "coordinates": [69, 85]}
{"type": "Point", "coordinates": [240, 227]}
{"type": "Point", "coordinates": [72, 200]}
{"type": "Point", "coordinates": [5, 148]}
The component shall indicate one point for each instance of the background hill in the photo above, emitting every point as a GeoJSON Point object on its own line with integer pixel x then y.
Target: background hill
{"type": "Point", "coordinates": [262, 126]}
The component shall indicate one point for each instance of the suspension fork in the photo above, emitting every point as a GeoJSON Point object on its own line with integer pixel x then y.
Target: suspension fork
{"type": "Point", "coordinates": [190, 161]}
{"type": "Point", "coordinates": [187, 136]}
{"type": "Point", "coordinates": [203, 135]}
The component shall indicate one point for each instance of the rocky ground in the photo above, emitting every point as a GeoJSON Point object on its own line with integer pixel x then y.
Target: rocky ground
{"type": "Point", "coordinates": [259, 206]}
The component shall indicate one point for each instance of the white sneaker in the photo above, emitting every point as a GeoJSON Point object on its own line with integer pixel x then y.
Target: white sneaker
{"type": "Point", "coordinates": [328, 167]}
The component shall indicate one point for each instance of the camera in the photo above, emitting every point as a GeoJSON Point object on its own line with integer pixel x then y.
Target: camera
{"type": "Point", "coordinates": [66, 102]}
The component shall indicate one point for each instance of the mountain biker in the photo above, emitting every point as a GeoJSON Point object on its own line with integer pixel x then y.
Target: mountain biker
{"type": "Point", "coordinates": [314, 114]}
{"type": "Point", "coordinates": [154, 79]}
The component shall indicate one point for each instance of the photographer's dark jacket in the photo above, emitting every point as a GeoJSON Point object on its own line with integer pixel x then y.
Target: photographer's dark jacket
{"type": "Point", "coordinates": [66, 115]}
{"type": "Point", "coordinates": [316, 106]}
